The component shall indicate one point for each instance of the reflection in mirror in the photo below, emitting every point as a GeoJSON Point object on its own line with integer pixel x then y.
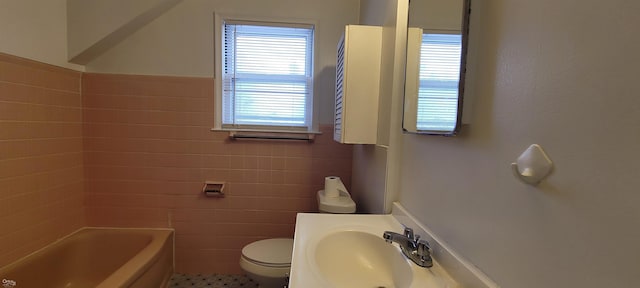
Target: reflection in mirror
{"type": "Point", "coordinates": [436, 52]}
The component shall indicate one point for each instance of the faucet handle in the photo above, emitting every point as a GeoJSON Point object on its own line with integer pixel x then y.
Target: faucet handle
{"type": "Point", "coordinates": [422, 246]}
{"type": "Point", "coordinates": [424, 253]}
{"type": "Point", "coordinates": [408, 232]}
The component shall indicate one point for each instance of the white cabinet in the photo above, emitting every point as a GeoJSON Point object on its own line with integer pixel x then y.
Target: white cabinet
{"type": "Point", "coordinates": [358, 85]}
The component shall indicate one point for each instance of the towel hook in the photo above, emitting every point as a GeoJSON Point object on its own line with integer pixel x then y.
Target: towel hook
{"type": "Point", "coordinates": [533, 165]}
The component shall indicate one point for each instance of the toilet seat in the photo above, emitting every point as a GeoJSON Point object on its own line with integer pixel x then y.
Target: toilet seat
{"type": "Point", "coordinates": [274, 252]}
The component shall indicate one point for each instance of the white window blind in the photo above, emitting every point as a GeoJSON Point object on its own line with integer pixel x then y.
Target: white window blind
{"type": "Point", "coordinates": [439, 80]}
{"type": "Point", "coordinates": [267, 75]}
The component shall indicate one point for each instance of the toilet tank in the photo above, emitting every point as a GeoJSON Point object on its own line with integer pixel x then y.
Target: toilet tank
{"type": "Point", "coordinates": [343, 204]}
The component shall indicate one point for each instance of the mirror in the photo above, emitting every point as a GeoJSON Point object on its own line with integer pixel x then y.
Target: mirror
{"type": "Point", "coordinates": [437, 38]}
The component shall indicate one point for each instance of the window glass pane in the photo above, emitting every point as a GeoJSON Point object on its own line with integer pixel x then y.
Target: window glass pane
{"type": "Point", "coordinates": [269, 101]}
{"type": "Point", "coordinates": [439, 80]}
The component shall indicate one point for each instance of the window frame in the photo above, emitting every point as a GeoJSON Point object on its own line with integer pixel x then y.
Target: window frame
{"type": "Point", "coordinates": [311, 104]}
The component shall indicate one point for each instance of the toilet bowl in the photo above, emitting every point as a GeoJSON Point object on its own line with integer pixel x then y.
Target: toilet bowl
{"type": "Point", "coordinates": [268, 261]}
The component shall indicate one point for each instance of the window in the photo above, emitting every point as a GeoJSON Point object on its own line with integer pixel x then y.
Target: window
{"type": "Point", "coordinates": [266, 76]}
{"type": "Point", "coordinates": [439, 80]}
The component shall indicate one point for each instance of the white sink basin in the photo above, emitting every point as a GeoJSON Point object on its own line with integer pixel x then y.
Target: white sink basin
{"type": "Point", "coordinates": [348, 251]}
{"type": "Point", "coordinates": [360, 259]}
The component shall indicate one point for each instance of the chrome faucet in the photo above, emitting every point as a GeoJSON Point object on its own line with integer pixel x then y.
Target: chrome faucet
{"type": "Point", "coordinates": [415, 249]}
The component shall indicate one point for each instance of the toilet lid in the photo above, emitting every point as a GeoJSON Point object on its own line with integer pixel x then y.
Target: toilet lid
{"type": "Point", "coordinates": [270, 251]}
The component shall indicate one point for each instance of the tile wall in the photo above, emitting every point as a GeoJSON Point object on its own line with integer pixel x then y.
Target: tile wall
{"type": "Point", "coordinates": [148, 149]}
{"type": "Point", "coordinates": [41, 166]}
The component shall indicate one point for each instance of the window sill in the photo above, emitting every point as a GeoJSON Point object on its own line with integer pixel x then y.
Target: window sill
{"type": "Point", "coordinates": [255, 134]}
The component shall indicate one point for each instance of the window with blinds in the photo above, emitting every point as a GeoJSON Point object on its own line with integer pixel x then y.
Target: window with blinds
{"type": "Point", "coordinates": [267, 75]}
{"type": "Point", "coordinates": [439, 80]}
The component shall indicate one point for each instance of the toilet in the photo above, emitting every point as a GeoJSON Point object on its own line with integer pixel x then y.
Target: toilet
{"type": "Point", "coordinates": [268, 261]}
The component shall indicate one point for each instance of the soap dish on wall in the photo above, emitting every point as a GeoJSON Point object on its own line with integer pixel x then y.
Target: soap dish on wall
{"type": "Point", "coordinates": [213, 189]}
{"type": "Point", "coordinates": [533, 165]}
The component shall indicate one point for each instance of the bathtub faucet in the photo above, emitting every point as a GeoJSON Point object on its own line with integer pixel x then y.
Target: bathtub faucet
{"type": "Point", "coordinates": [412, 247]}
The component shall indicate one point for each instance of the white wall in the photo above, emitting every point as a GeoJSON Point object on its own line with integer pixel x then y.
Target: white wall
{"type": "Point", "coordinates": [369, 171]}
{"type": "Point", "coordinates": [369, 178]}
{"type": "Point", "coordinates": [180, 42]}
{"type": "Point", "coordinates": [561, 74]}
{"type": "Point", "coordinates": [35, 29]}
{"type": "Point", "coordinates": [376, 168]}
{"type": "Point", "coordinates": [94, 27]}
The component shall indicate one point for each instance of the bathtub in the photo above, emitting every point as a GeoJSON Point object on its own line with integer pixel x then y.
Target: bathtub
{"type": "Point", "coordinates": [97, 257]}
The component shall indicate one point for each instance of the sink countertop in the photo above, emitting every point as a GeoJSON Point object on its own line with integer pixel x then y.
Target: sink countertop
{"type": "Point", "coordinates": [313, 227]}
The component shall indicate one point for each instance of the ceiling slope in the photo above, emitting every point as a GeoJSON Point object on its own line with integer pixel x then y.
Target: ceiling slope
{"type": "Point", "coordinates": [96, 26]}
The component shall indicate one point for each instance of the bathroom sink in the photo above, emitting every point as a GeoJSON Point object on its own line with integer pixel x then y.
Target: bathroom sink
{"type": "Point", "coordinates": [360, 259]}
{"type": "Point", "coordinates": [347, 250]}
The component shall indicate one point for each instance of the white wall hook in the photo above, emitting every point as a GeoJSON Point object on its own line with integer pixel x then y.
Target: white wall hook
{"type": "Point", "coordinates": [533, 165]}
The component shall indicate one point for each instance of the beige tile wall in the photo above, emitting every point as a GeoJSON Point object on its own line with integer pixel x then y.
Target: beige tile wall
{"type": "Point", "coordinates": [149, 149]}
{"type": "Point", "coordinates": [41, 173]}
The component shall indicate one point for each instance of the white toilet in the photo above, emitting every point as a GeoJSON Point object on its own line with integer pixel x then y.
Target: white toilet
{"type": "Point", "coordinates": [268, 261]}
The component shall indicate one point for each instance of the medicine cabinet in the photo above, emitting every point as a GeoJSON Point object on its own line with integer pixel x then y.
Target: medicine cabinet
{"type": "Point", "coordinates": [437, 42]}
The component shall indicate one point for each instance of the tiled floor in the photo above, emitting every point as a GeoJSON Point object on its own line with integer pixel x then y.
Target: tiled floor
{"type": "Point", "coordinates": [210, 281]}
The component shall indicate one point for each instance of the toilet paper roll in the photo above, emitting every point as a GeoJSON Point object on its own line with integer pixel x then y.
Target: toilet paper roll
{"type": "Point", "coordinates": [332, 186]}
